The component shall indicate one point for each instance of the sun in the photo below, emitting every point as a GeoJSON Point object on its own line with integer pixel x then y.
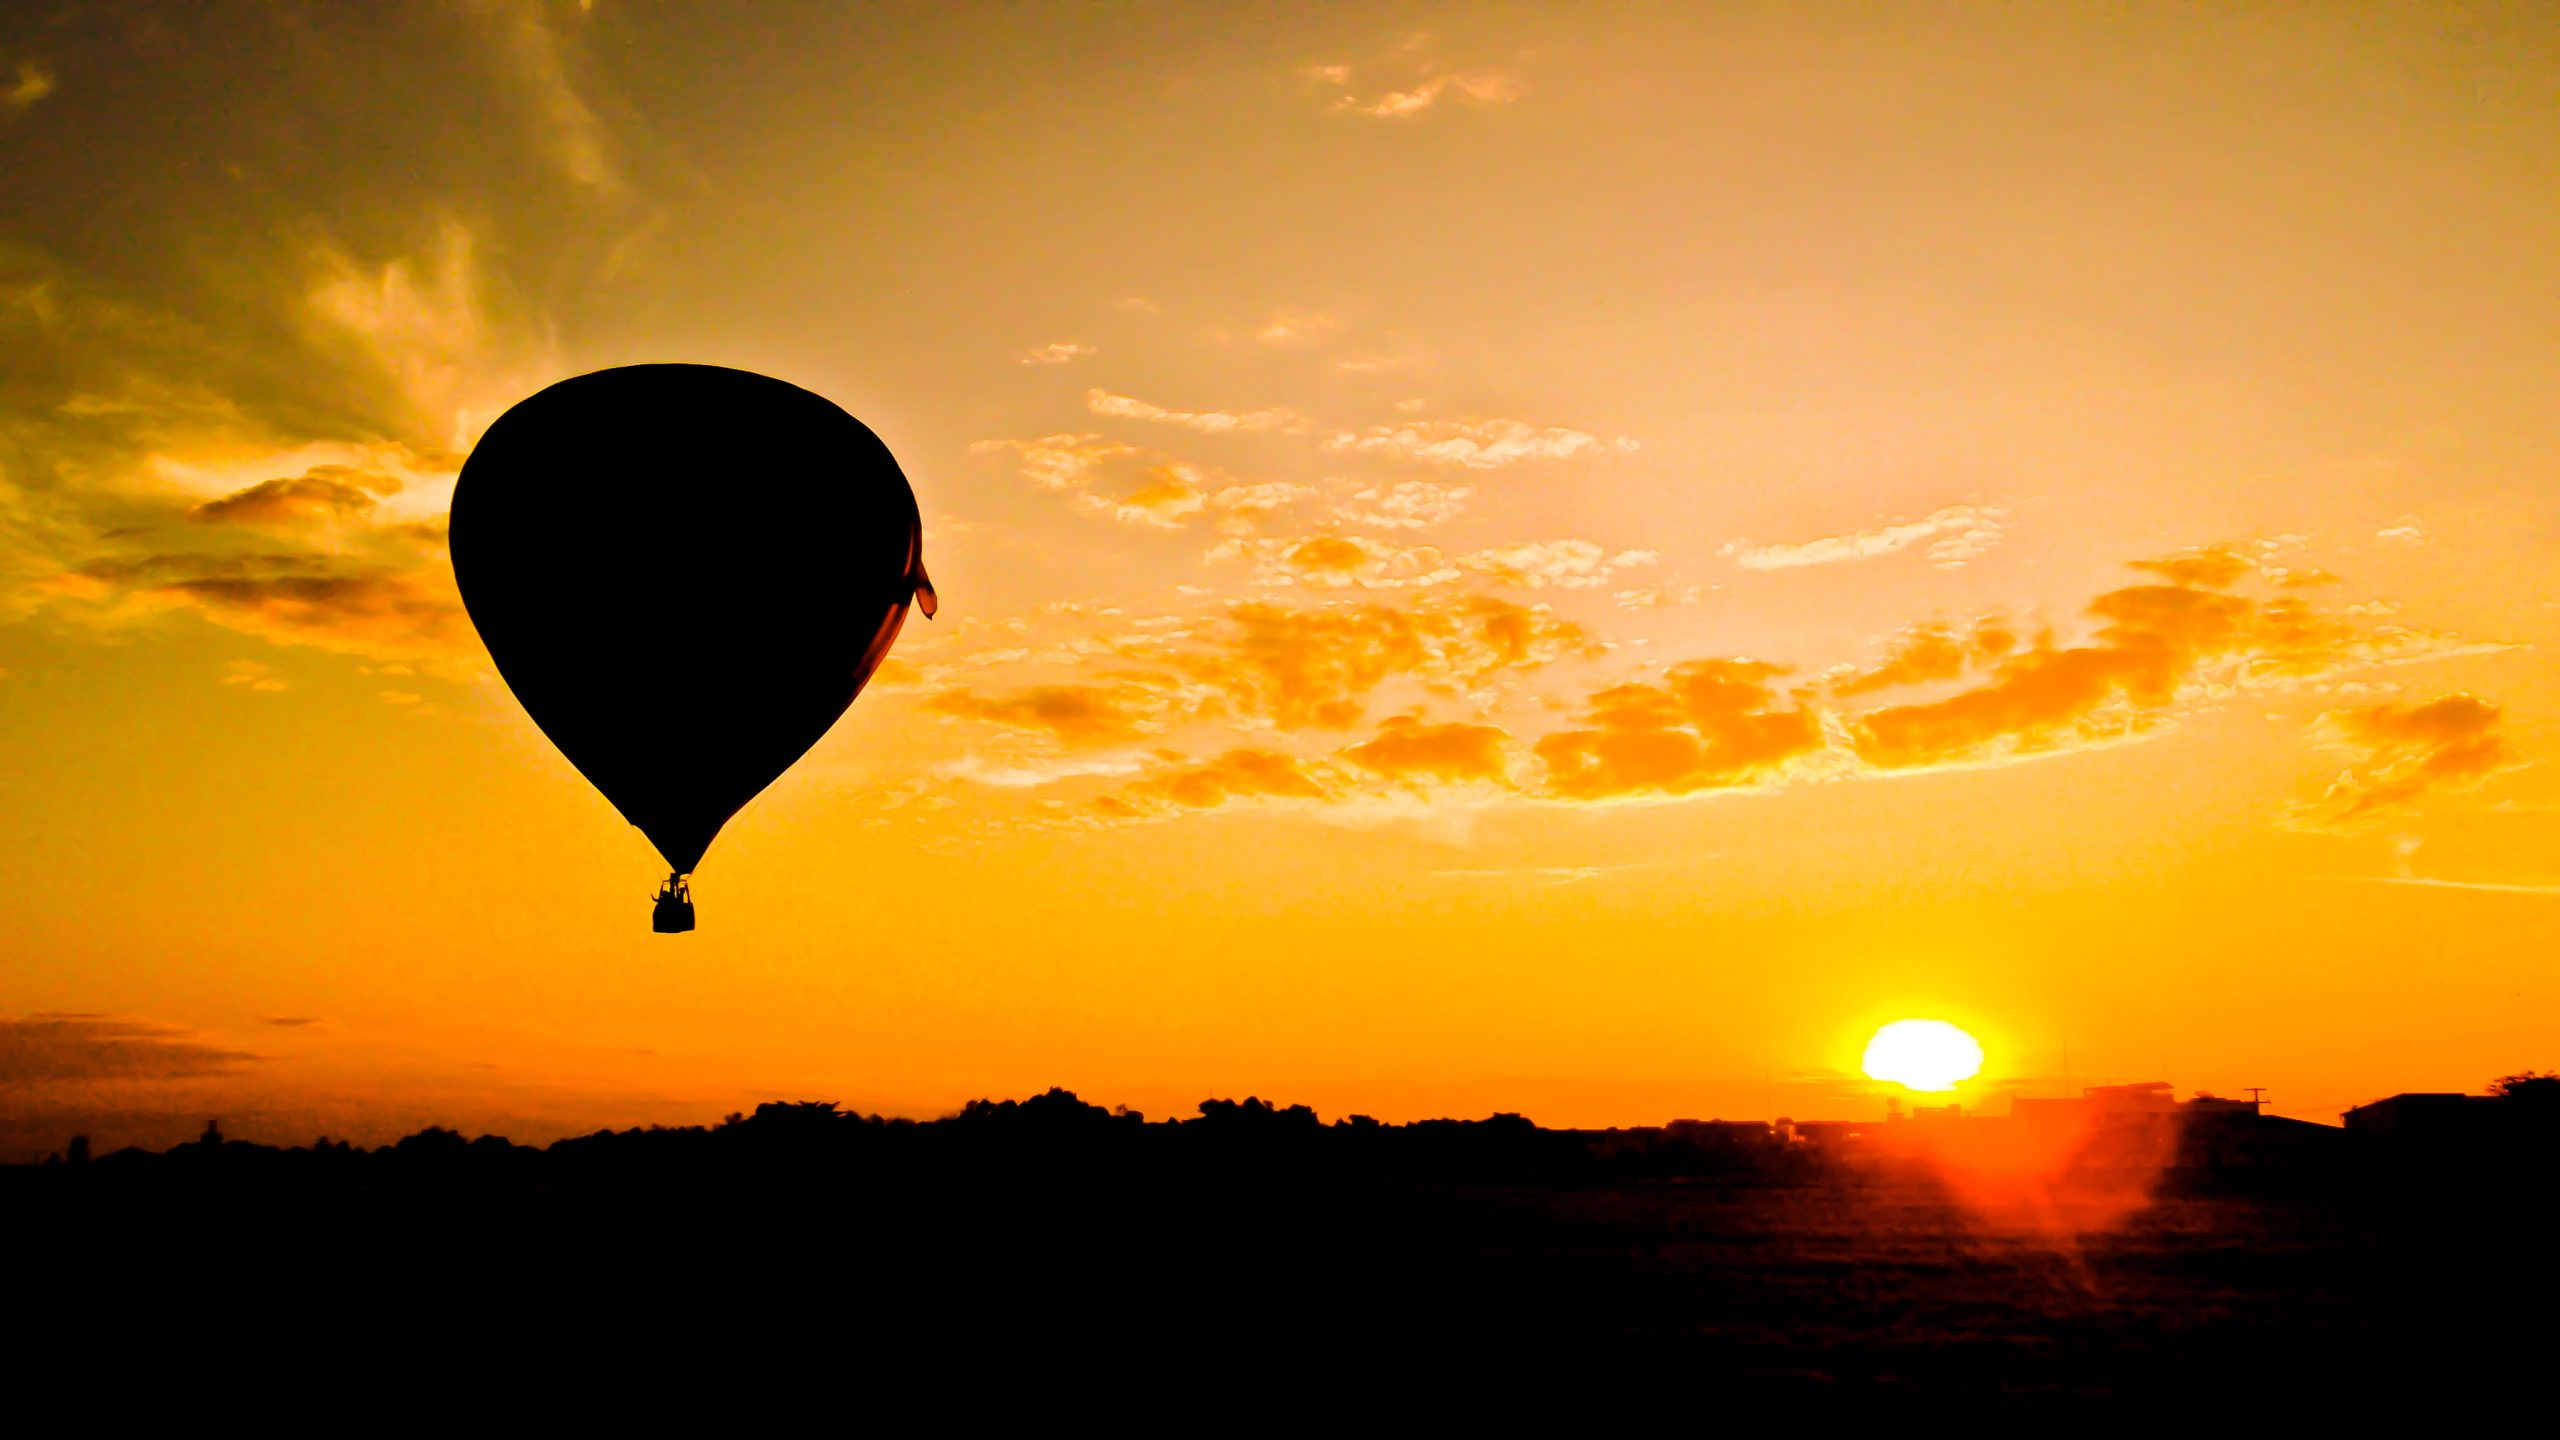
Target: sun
{"type": "Point", "coordinates": [1922, 1055]}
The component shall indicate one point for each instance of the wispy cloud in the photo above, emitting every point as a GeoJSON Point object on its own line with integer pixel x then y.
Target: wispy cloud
{"type": "Point", "coordinates": [1469, 444]}
{"type": "Point", "coordinates": [1484, 87]}
{"type": "Point", "coordinates": [1058, 462]}
{"type": "Point", "coordinates": [86, 1048]}
{"type": "Point", "coordinates": [2494, 887]}
{"type": "Point", "coordinates": [33, 82]}
{"type": "Point", "coordinates": [1956, 535]}
{"type": "Point", "coordinates": [2403, 754]}
{"type": "Point", "coordinates": [1207, 422]}
{"type": "Point", "coordinates": [1056, 352]}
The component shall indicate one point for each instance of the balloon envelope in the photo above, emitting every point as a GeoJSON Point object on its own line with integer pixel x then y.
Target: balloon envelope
{"type": "Point", "coordinates": [685, 573]}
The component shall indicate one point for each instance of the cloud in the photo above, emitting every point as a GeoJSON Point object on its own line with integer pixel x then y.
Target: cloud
{"type": "Point", "coordinates": [2214, 567]}
{"type": "Point", "coordinates": [291, 1022]}
{"type": "Point", "coordinates": [1239, 773]}
{"type": "Point", "coordinates": [320, 494]}
{"type": "Point", "coordinates": [1169, 495]}
{"type": "Point", "coordinates": [252, 675]}
{"type": "Point", "coordinates": [1570, 564]}
{"type": "Point", "coordinates": [565, 127]}
{"type": "Point", "coordinates": [1037, 771]}
{"type": "Point", "coordinates": [1295, 327]}
{"type": "Point", "coordinates": [1932, 652]}
{"type": "Point", "coordinates": [294, 599]}
{"type": "Point", "coordinates": [2404, 531]}
{"type": "Point", "coordinates": [1485, 87]}
{"type": "Point", "coordinates": [1274, 678]}
{"type": "Point", "coordinates": [73, 1048]}
{"type": "Point", "coordinates": [2494, 887]}
{"type": "Point", "coordinates": [1709, 724]}
{"type": "Point", "coordinates": [2154, 647]}
{"type": "Point", "coordinates": [1318, 666]}
{"type": "Point", "coordinates": [32, 83]}
{"type": "Point", "coordinates": [1406, 745]}
{"type": "Point", "coordinates": [1406, 505]}
{"type": "Point", "coordinates": [1244, 504]}
{"type": "Point", "coordinates": [2153, 640]}
{"type": "Point", "coordinates": [1207, 422]}
{"type": "Point", "coordinates": [2403, 754]}
{"type": "Point", "coordinates": [1267, 667]}
{"type": "Point", "coordinates": [1471, 444]}
{"type": "Point", "coordinates": [453, 345]}
{"type": "Point", "coordinates": [1058, 462]}
{"type": "Point", "coordinates": [1088, 713]}
{"type": "Point", "coordinates": [1959, 534]}
{"type": "Point", "coordinates": [1056, 353]}
{"type": "Point", "coordinates": [1336, 562]}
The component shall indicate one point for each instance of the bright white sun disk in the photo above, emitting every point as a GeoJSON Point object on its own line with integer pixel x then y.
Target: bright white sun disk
{"type": "Point", "coordinates": [1922, 1055]}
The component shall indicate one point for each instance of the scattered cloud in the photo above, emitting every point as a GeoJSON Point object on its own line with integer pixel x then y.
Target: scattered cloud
{"type": "Point", "coordinates": [2494, 887]}
{"type": "Point", "coordinates": [318, 495]}
{"type": "Point", "coordinates": [1709, 724]}
{"type": "Point", "coordinates": [1242, 506]}
{"type": "Point", "coordinates": [2212, 567]}
{"type": "Point", "coordinates": [2404, 531]}
{"type": "Point", "coordinates": [1207, 785]}
{"type": "Point", "coordinates": [2403, 754]}
{"type": "Point", "coordinates": [1406, 745]}
{"type": "Point", "coordinates": [1207, 422]}
{"type": "Point", "coordinates": [1471, 444]}
{"type": "Point", "coordinates": [1288, 327]}
{"type": "Point", "coordinates": [1262, 686]}
{"type": "Point", "coordinates": [2155, 647]}
{"type": "Point", "coordinates": [354, 607]}
{"type": "Point", "coordinates": [1058, 462]}
{"type": "Point", "coordinates": [565, 128]}
{"type": "Point", "coordinates": [1268, 667]}
{"type": "Point", "coordinates": [1407, 505]}
{"type": "Point", "coordinates": [252, 675]}
{"type": "Point", "coordinates": [1484, 87]}
{"type": "Point", "coordinates": [1955, 535]}
{"type": "Point", "coordinates": [1037, 771]}
{"type": "Point", "coordinates": [1057, 352]}
{"type": "Point", "coordinates": [1167, 496]}
{"type": "Point", "coordinates": [79, 1048]}
{"type": "Point", "coordinates": [1569, 564]}
{"type": "Point", "coordinates": [455, 349]}
{"type": "Point", "coordinates": [1335, 562]}
{"type": "Point", "coordinates": [2153, 640]}
{"type": "Point", "coordinates": [1112, 712]}
{"type": "Point", "coordinates": [1933, 652]}
{"type": "Point", "coordinates": [32, 82]}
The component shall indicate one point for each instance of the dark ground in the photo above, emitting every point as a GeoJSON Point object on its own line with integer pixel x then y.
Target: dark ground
{"type": "Point", "coordinates": [1067, 1254]}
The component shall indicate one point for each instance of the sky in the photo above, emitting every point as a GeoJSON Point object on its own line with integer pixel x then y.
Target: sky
{"type": "Point", "coordinates": [1560, 559]}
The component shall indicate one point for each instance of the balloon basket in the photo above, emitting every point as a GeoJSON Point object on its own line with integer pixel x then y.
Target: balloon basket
{"type": "Point", "coordinates": [674, 913]}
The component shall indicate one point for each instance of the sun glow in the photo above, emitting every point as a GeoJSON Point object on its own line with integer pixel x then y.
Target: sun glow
{"type": "Point", "coordinates": [1922, 1055]}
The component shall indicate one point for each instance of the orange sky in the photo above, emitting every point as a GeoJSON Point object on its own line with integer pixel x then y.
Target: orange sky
{"type": "Point", "coordinates": [1562, 559]}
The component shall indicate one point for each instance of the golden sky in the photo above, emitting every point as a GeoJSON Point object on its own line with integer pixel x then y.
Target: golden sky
{"type": "Point", "coordinates": [1569, 559]}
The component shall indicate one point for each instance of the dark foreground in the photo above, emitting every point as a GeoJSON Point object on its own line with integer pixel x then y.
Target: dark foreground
{"type": "Point", "coordinates": [1090, 1258]}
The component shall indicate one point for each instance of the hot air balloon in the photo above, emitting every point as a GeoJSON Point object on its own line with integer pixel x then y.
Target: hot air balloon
{"type": "Point", "coordinates": [685, 573]}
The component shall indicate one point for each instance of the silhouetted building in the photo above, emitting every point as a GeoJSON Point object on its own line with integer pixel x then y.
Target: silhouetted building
{"type": "Point", "coordinates": [2426, 1119]}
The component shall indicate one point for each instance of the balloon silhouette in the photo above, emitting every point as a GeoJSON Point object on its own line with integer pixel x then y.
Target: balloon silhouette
{"type": "Point", "coordinates": [685, 573]}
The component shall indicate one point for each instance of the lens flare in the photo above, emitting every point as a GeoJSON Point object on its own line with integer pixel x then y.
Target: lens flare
{"type": "Point", "coordinates": [1922, 1055]}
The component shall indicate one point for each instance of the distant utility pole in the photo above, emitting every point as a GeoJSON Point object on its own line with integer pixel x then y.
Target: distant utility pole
{"type": "Point", "coordinates": [2257, 1095]}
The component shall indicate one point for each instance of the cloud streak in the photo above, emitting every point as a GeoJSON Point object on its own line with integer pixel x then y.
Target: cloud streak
{"type": "Point", "coordinates": [1955, 536]}
{"type": "Point", "coordinates": [2405, 753]}
{"type": "Point", "coordinates": [1467, 444]}
{"type": "Point", "coordinates": [1207, 422]}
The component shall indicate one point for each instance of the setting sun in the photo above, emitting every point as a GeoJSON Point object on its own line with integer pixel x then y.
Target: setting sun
{"type": "Point", "coordinates": [1922, 1055]}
